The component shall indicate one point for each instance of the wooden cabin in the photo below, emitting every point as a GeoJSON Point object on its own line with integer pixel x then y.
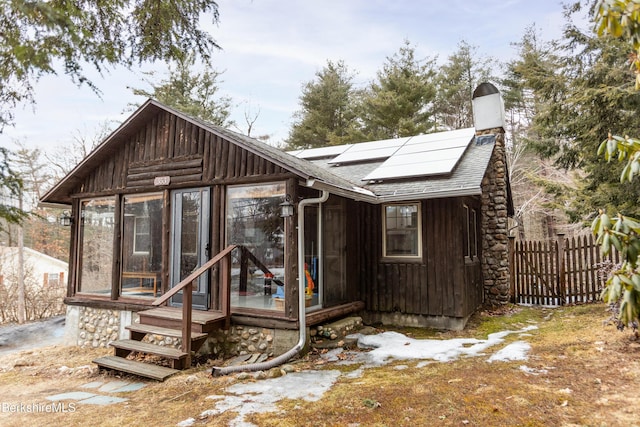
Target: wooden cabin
{"type": "Point", "coordinates": [176, 222]}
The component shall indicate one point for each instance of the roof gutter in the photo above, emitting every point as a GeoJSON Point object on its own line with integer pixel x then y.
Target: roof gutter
{"type": "Point", "coordinates": [460, 192]}
{"type": "Point", "coordinates": [369, 197]}
{"type": "Point", "coordinates": [360, 195]}
{"type": "Point", "coordinates": [302, 320]}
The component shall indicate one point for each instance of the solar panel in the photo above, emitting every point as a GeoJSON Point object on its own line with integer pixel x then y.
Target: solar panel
{"type": "Point", "coordinates": [318, 153]}
{"type": "Point", "coordinates": [374, 150]}
{"type": "Point", "coordinates": [425, 155]}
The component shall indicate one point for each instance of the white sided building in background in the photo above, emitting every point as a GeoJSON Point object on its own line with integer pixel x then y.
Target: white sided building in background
{"type": "Point", "coordinates": [40, 270]}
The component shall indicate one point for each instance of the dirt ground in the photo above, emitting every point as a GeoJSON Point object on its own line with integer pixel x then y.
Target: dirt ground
{"type": "Point", "coordinates": [580, 372]}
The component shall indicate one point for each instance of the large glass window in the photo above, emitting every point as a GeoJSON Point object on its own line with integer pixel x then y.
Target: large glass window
{"type": "Point", "coordinates": [254, 222]}
{"type": "Point", "coordinates": [97, 226]}
{"type": "Point", "coordinates": [402, 230]}
{"type": "Point", "coordinates": [142, 245]}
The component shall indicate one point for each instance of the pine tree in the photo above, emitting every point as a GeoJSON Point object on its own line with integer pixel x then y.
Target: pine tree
{"type": "Point", "coordinates": [583, 89]}
{"type": "Point", "coordinates": [37, 35]}
{"type": "Point", "coordinates": [399, 102]}
{"type": "Point", "coordinates": [456, 80]}
{"type": "Point", "coordinates": [327, 115]}
{"type": "Point", "coordinates": [193, 93]}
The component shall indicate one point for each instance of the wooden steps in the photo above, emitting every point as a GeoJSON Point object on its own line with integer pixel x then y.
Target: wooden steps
{"type": "Point", "coordinates": [136, 329]}
{"type": "Point", "coordinates": [141, 369]}
{"type": "Point", "coordinates": [164, 321]}
{"type": "Point", "coordinates": [126, 347]}
{"type": "Point", "coordinates": [171, 317]}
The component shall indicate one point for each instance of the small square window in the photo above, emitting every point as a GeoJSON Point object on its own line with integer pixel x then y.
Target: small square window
{"type": "Point", "coordinates": [402, 231]}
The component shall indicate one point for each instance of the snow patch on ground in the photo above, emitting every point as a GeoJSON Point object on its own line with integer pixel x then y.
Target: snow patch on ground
{"type": "Point", "coordinates": [389, 346]}
{"type": "Point", "coordinates": [515, 351]}
{"type": "Point", "coordinates": [262, 396]}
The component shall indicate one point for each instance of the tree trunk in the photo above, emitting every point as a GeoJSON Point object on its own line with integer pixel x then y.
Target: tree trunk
{"type": "Point", "coordinates": [21, 304]}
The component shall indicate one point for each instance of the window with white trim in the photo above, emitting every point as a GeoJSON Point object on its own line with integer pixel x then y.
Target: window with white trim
{"type": "Point", "coordinates": [402, 225]}
{"type": "Point", "coordinates": [141, 235]}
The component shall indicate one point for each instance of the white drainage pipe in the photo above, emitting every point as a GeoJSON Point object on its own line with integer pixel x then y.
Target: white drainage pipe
{"type": "Point", "coordinates": [302, 325]}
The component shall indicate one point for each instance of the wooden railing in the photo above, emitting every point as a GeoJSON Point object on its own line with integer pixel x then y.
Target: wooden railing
{"type": "Point", "coordinates": [187, 286]}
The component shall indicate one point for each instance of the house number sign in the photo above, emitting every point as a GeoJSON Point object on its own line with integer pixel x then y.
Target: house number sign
{"type": "Point", "coordinates": [161, 180]}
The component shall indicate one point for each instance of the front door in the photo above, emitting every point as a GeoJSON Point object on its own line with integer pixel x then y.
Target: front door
{"type": "Point", "coordinates": [190, 241]}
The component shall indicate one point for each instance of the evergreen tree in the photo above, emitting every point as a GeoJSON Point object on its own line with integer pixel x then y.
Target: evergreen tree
{"type": "Point", "coordinates": [399, 102]}
{"type": "Point", "coordinates": [327, 116]}
{"type": "Point", "coordinates": [38, 34]}
{"type": "Point", "coordinates": [583, 89]}
{"type": "Point", "coordinates": [540, 190]}
{"type": "Point", "coordinates": [456, 82]}
{"type": "Point", "coordinates": [11, 186]}
{"type": "Point", "coordinates": [191, 92]}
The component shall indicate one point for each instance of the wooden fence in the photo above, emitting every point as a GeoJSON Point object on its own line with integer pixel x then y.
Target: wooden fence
{"type": "Point", "coordinates": [560, 272]}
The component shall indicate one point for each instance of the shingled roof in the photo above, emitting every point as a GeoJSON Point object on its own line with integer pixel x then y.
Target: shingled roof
{"type": "Point", "coordinates": [465, 179]}
{"type": "Point", "coordinates": [345, 179]}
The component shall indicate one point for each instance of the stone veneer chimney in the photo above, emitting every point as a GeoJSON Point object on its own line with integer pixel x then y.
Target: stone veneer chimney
{"type": "Point", "coordinates": [489, 119]}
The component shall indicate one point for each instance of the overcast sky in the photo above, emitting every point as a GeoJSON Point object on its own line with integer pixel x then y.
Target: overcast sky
{"type": "Point", "coordinates": [270, 48]}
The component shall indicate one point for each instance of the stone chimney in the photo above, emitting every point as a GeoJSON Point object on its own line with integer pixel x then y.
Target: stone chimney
{"type": "Point", "coordinates": [489, 119]}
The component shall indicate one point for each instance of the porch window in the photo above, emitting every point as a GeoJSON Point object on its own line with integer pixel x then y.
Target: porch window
{"type": "Point", "coordinates": [253, 221]}
{"type": "Point", "coordinates": [402, 231]}
{"type": "Point", "coordinates": [141, 245]}
{"type": "Point", "coordinates": [97, 226]}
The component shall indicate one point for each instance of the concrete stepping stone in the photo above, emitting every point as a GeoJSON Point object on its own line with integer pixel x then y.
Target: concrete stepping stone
{"type": "Point", "coordinates": [129, 388]}
{"type": "Point", "coordinates": [113, 385]}
{"type": "Point", "coordinates": [94, 384]}
{"type": "Point", "coordinates": [74, 395]}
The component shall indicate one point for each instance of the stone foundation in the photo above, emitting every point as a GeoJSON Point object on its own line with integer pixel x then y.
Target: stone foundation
{"type": "Point", "coordinates": [416, 320]}
{"type": "Point", "coordinates": [336, 330]}
{"type": "Point", "coordinates": [93, 327]}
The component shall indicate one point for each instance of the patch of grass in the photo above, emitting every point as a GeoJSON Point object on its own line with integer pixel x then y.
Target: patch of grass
{"type": "Point", "coordinates": [510, 317]}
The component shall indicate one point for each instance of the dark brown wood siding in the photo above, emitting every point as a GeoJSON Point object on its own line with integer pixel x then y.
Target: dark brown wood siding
{"type": "Point", "coordinates": [440, 283]}
{"type": "Point", "coordinates": [167, 145]}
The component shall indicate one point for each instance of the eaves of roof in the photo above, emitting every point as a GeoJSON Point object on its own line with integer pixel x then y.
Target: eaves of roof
{"type": "Point", "coordinates": [345, 181]}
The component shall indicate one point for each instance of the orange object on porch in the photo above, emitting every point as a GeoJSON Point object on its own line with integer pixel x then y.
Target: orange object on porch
{"type": "Point", "coordinates": [310, 284]}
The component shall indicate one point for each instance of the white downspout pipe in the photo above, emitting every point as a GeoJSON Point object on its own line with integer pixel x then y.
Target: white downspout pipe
{"type": "Point", "coordinates": [302, 321]}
